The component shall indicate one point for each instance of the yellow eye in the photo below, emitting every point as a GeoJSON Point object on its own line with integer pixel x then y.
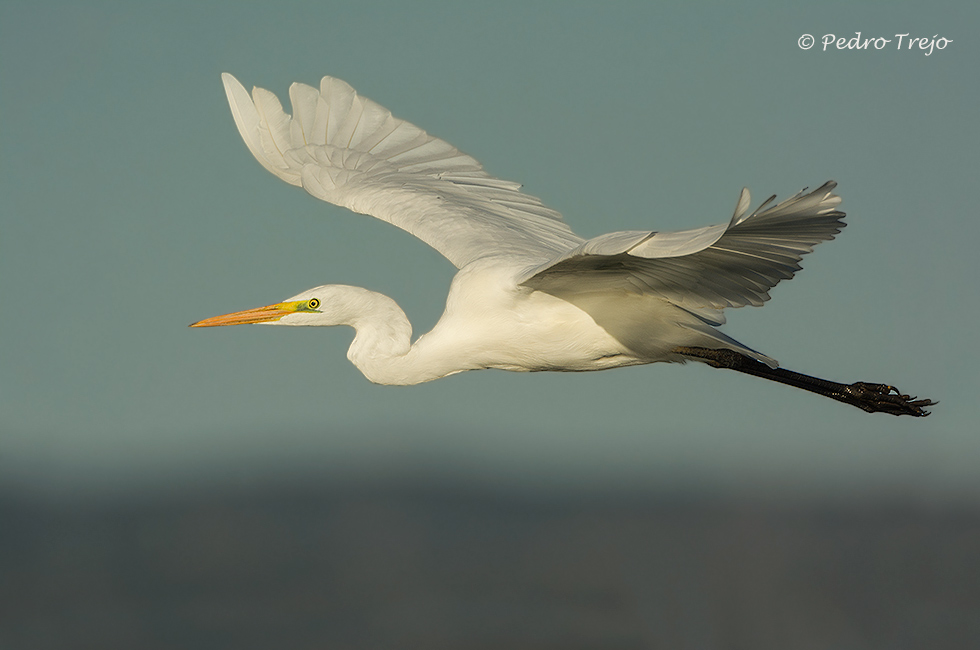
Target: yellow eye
{"type": "Point", "coordinates": [314, 303]}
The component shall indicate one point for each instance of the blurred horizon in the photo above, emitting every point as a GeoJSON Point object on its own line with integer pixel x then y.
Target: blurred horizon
{"type": "Point", "coordinates": [779, 487]}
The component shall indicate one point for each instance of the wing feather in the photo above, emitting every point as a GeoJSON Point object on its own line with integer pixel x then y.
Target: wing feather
{"type": "Point", "coordinates": [304, 100]}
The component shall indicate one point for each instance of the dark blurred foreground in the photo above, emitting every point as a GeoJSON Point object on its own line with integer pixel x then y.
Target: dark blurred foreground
{"type": "Point", "coordinates": [331, 567]}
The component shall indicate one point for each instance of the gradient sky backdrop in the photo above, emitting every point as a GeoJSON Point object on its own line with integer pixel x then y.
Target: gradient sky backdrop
{"type": "Point", "coordinates": [131, 207]}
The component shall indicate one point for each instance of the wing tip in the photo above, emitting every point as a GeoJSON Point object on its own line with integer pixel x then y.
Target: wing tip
{"type": "Point", "coordinates": [232, 85]}
{"type": "Point", "coordinates": [742, 206]}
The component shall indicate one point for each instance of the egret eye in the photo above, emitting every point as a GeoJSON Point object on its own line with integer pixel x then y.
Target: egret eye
{"type": "Point", "coordinates": [314, 303]}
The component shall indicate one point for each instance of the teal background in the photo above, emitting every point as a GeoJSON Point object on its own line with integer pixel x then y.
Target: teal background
{"type": "Point", "coordinates": [131, 208]}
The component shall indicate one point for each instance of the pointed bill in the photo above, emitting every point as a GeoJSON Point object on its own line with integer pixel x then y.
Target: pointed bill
{"type": "Point", "coordinates": [268, 314]}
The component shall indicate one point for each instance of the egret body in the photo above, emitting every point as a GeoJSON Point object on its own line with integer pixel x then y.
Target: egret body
{"type": "Point", "coordinates": [530, 294]}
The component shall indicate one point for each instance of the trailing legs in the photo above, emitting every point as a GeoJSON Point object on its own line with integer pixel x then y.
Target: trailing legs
{"type": "Point", "coordinates": [872, 398]}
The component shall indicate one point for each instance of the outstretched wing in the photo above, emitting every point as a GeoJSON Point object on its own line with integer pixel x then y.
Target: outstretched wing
{"type": "Point", "coordinates": [703, 270]}
{"type": "Point", "coordinates": [349, 151]}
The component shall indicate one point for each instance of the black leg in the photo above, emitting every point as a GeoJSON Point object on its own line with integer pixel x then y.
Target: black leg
{"type": "Point", "coordinates": [872, 398]}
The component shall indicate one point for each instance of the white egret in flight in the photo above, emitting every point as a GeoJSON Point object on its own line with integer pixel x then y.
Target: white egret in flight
{"type": "Point", "coordinates": [530, 294]}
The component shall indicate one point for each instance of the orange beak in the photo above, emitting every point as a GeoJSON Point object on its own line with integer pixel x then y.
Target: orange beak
{"type": "Point", "coordinates": [268, 314]}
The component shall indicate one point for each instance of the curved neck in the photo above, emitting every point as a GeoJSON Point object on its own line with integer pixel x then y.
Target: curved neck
{"type": "Point", "coordinates": [382, 348]}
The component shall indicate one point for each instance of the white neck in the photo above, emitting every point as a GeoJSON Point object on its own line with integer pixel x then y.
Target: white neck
{"type": "Point", "coordinates": [382, 349]}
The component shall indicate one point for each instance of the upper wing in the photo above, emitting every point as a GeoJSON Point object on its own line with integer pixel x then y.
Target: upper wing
{"type": "Point", "coordinates": [703, 270]}
{"type": "Point", "coordinates": [348, 150]}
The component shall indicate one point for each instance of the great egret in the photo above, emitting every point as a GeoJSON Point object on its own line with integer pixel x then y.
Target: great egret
{"type": "Point", "coordinates": [530, 294]}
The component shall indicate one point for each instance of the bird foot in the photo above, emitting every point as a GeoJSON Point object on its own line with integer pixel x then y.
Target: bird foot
{"type": "Point", "coordinates": [875, 398]}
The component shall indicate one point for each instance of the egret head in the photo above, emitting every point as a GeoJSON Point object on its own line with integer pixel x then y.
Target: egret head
{"type": "Point", "coordinates": [311, 307]}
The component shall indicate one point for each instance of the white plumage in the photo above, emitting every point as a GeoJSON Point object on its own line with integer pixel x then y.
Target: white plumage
{"type": "Point", "coordinates": [530, 294]}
